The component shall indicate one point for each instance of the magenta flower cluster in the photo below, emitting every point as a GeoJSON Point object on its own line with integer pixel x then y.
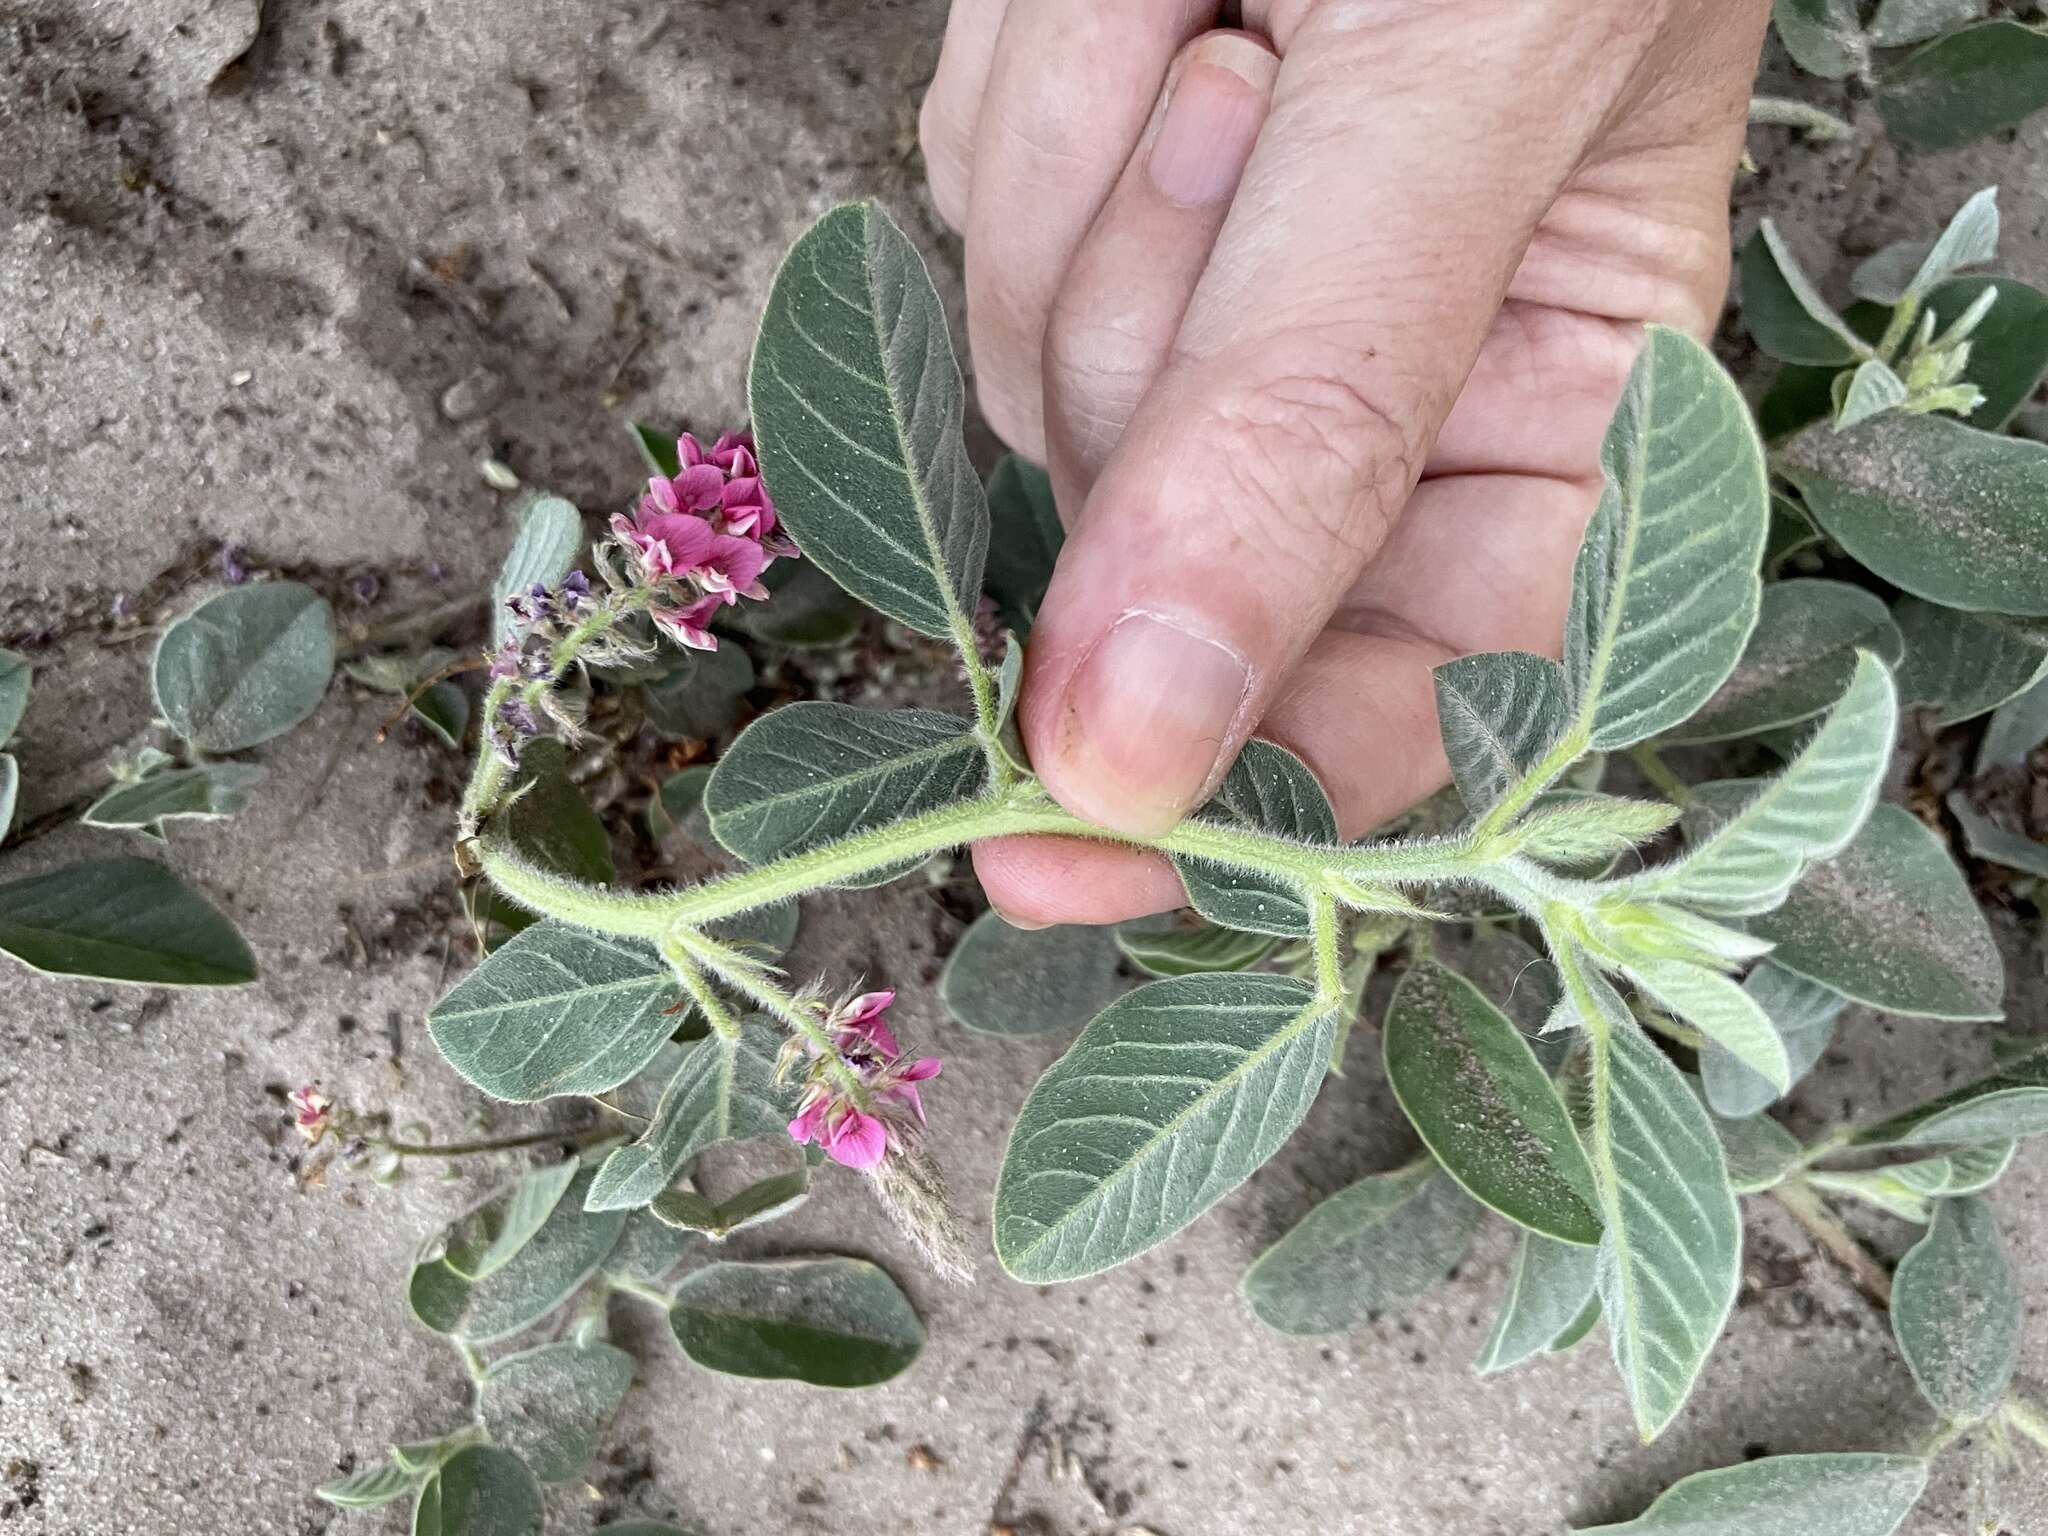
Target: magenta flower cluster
{"type": "Point", "coordinates": [702, 537]}
{"type": "Point", "coordinates": [851, 1133]}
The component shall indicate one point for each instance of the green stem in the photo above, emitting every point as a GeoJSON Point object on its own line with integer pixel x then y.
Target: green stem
{"type": "Point", "coordinates": [2027, 1419]}
{"type": "Point", "coordinates": [743, 976]}
{"type": "Point", "coordinates": [588, 1138]}
{"type": "Point", "coordinates": [1808, 1209]}
{"type": "Point", "coordinates": [1568, 750]}
{"type": "Point", "coordinates": [1653, 767]}
{"type": "Point", "coordinates": [1942, 1436]}
{"type": "Point", "coordinates": [692, 977]}
{"type": "Point", "coordinates": [654, 1295]}
{"type": "Point", "coordinates": [1783, 112]}
{"type": "Point", "coordinates": [1322, 919]}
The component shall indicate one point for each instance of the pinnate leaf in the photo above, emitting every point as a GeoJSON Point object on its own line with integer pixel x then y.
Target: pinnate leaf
{"type": "Point", "coordinates": [1169, 947]}
{"type": "Point", "coordinates": [2007, 1103]}
{"type": "Point", "coordinates": [1840, 1493]}
{"type": "Point", "coordinates": [1722, 1011]}
{"type": "Point", "coordinates": [1802, 1012]}
{"type": "Point", "coordinates": [245, 666]}
{"type": "Point", "coordinates": [367, 1487]}
{"type": "Point", "coordinates": [487, 1239]}
{"type": "Point", "coordinates": [479, 1491]}
{"type": "Point", "coordinates": [830, 1322]}
{"type": "Point", "coordinates": [544, 1273]}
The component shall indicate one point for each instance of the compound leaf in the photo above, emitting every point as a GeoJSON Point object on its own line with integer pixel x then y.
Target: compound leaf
{"type": "Point", "coordinates": [549, 1406]}
{"type": "Point", "coordinates": [1970, 83]}
{"type": "Point", "coordinates": [1268, 789]}
{"type": "Point", "coordinates": [1498, 713]}
{"type": "Point", "coordinates": [1549, 1287]}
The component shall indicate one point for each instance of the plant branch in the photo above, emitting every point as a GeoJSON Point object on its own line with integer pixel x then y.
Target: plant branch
{"type": "Point", "coordinates": [1821, 126]}
{"type": "Point", "coordinates": [1808, 1209]}
{"type": "Point", "coordinates": [578, 1139]}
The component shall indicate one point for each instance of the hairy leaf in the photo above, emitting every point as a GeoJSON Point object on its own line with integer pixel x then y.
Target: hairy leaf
{"type": "Point", "coordinates": [1901, 23]}
{"type": "Point", "coordinates": [1498, 713]}
{"type": "Point", "coordinates": [1169, 1100]}
{"type": "Point", "coordinates": [1986, 839]}
{"type": "Point", "coordinates": [479, 1491]}
{"type": "Point", "coordinates": [1839, 1493]}
{"type": "Point", "coordinates": [1001, 980]}
{"type": "Point", "coordinates": [121, 920]}
{"type": "Point", "coordinates": [1872, 390]}
{"type": "Point", "coordinates": [549, 538]}
{"type": "Point", "coordinates": [367, 1487]}
{"type": "Point", "coordinates": [1958, 665]}
{"type": "Point", "coordinates": [1824, 37]}
{"type": "Point", "coordinates": [1581, 830]}
{"type": "Point", "coordinates": [857, 404]}
{"type": "Point", "coordinates": [1374, 1248]}
{"type": "Point", "coordinates": [1025, 536]}
{"type": "Point", "coordinates": [648, 1248]}
{"type": "Point", "coordinates": [1802, 1012]}
{"type": "Point", "coordinates": [549, 1406]}
{"type": "Point", "coordinates": [1785, 313]}
{"type": "Point", "coordinates": [699, 697]}
{"type": "Point", "coordinates": [762, 1201]}
{"type": "Point", "coordinates": [1966, 85]}
{"type": "Point", "coordinates": [658, 448]}
{"type": "Point", "coordinates": [1956, 1311]}
{"type": "Point", "coordinates": [2008, 1103]}
{"type": "Point", "coordinates": [545, 1272]}
{"type": "Point", "coordinates": [485, 1240]}
{"type": "Point", "coordinates": [2009, 348]}
{"type": "Point", "coordinates": [1720, 1010]}
{"type": "Point", "coordinates": [806, 610]}
{"type": "Point", "coordinates": [245, 666]}
{"type": "Point", "coordinates": [10, 788]}
{"type": "Point", "coordinates": [2017, 726]}
{"type": "Point", "coordinates": [1759, 1152]}
{"type": "Point", "coordinates": [678, 805]}
{"type": "Point", "coordinates": [830, 1322]}
{"type": "Point", "coordinates": [15, 677]}
{"type": "Point", "coordinates": [1170, 947]}
{"type": "Point", "coordinates": [1548, 1289]}
{"type": "Point", "coordinates": [1268, 789]}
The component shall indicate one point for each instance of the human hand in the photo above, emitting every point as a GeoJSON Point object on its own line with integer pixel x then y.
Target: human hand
{"type": "Point", "coordinates": [1318, 341]}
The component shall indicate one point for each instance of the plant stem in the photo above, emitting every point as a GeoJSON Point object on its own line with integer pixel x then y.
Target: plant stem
{"type": "Point", "coordinates": [588, 1138]}
{"type": "Point", "coordinates": [737, 972]}
{"type": "Point", "coordinates": [692, 977]}
{"type": "Point", "coordinates": [1322, 917]}
{"type": "Point", "coordinates": [1653, 767]}
{"type": "Point", "coordinates": [1811, 1212]}
{"type": "Point", "coordinates": [1783, 112]}
{"type": "Point", "coordinates": [654, 1295]}
{"type": "Point", "coordinates": [2027, 1419]}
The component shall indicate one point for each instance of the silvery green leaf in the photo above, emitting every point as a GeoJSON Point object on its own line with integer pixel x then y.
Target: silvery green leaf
{"type": "Point", "coordinates": [2010, 1102]}
{"type": "Point", "coordinates": [1839, 1493]}
{"type": "Point", "coordinates": [1802, 1012]}
{"type": "Point", "coordinates": [543, 1274]}
{"type": "Point", "coordinates": [1548, 1289]}
{"type": "Point", "coordinates": [806, 609]}
{"type": "Point", "coordinates": [15, 677]}
{"type": "Point", "coordinates": [1520, 979]}
{"type": "Point", "coordinates": [1576, 1331]}
{"type": "Point", "coordinates": [1970, 83]}
{"type": "Point", "coordinates": [1170, 1099]}
{"type": "Point", "coordinates": [648, 1248]}
{"type": "Point", "coordinates": [10, 788]}
{"type": "Point", "coordinates": [700, 697]}
{"type": "Point", "coordinates": [1785, 313]}
{"type": "Point", "coordinates": [1942, 510]}
{"type": "Point", "coordinates": [1885, 276]}
{"type": "Point", "coordinates": [1809, 811]}
{"type": "Point", "coordinates": [1799, 659]}
{"type": "Point", "coordinates": [1369, 1250]}
{"type": "Point", "coordinates": [1965, 1171]}
{"type": "Point", "coordinates": [205, 793]}
{"type": "Point", "coordinates": [1001, 980]}
{"type": "Point", "coordinates": [1671, 1256]}
{"type": "Point", "coordinates": [1498, 713]}
{"type": "Point", "coordinates": [762, 1201]}
{"type": "Point", "coordinates": [1919, 267]}
{"type": "Point", "coordinates": [812, 772]}
{"type": "Point", "coordinates": [443, 708]}
{"type": "Point", "coordinates": [1665, 590]}
{"type": "Point", "coordinates": [725, 1090]}
{"type": "Point", "coordinates": [245, 666]}
{"type": "Point", "coordinates": [550, 821]}
{"type": "Point", "coordinates": [1025, 536]}
{"type": "Point", "coordinates": [1986, 839]}
{"type": "Point", "coordinates": [1268, 789]}
{"type": "Point", "coordinates": [2017, 726]}
{"type": "Point", "coordinates": [1901, 23]}
{"type": "Point", "coordinates": [857, 406]}
{"type": "Point", "coordinates": [479, 1491]}
{"type": "Point", "coordinates": [1956, 1311]}
{"type": "Point", "coordinates": [1169, 946]}
{"type": "Point", "coordinates": [1590, 831]}
{"type": "Point", "coordinates": [2009, 348]}
{"type": "Point", "coordinates": [1720, 1010]}
{"type": "Point", "coordinates": [557, 1010]}
{"type": "Point", "coordinates": [367, 1487]}
{"type": "Point", "coordinates": [543, 551]}
{"type": "Point", "coordinates": [1483, 1105]}
{"type": "Point", "coordinates": [1759, 1152]}
{"type": "Point", "coordinates": [121, 920]}
{"type": "Point", "coordinates": [1890, 923]}
{"type": "Point", "coordinates": [679, 803]}
{"type": "Point", "coordinates": [1958, 665]}
{"type": "Point", "coordinates": [657, 448]}
{"type": "Point", "coordinates": [483, 1241]}
{"type": "Point", "coordinates": [1824, 37]}
{"type": "Point", "coordinates": [1875, 1187]}
{"type": "Point", "coordinates": [549, 1406]}
{"type": "Point", "coordinates": [833, 1322]}
{"type": "Point", "coordinates": [1871, 390]}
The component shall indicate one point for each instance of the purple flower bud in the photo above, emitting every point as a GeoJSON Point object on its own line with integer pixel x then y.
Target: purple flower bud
{"type": "Point", "coordinates": [232, 569]}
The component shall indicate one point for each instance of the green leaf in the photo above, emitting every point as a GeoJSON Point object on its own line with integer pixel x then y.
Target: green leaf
{"type": "Point", "coordinates": [15, 676]}
{"type": "Point", "coordinates": [485, 1240]}
{"type": "Point", "coordinates": [811, 773]}
{"type": "Point", "coordinates": [1025, 536]}
{"type": "Point", "coordinates": [679, 802]}
{"type": "Point", "coordinates": [1986, 839]}
{"type": "Point", "coordinates": [647, 1249]}
{"type": "Point", "coordinates": [1802, 1012]}
{"type": "Point", "coordinates": [640, 1528]}
{"type": "Point", "coordinates": [1958, 665]}
{"type": "Point", "coordinates": [1548, 1289]}
{"type": "Point", "coordinates": [565, 1252]}
{"type": "Point", "coordinates": [206, 793]}
{"type": "Point", "coordinates": [1498, 713]}
{"type": "Point", "coordinates": [558, 1010]}
{"type": "Point", "coordinates": [1760, 1153]}
{"type": "Point", "coordinates": [2018, 726]}
{"type": "Point", "coordinates": [1001, 980]}
{"type": "Point", "coordinates": [549, 1406]}
{"type": "Point", "coordinates": [2009, 349]}
{"type": "Point", "coordinates": [1900, 23]}
{"type": "Point", "coordinates": [1481, 1102]}
{"type": "Point", "coordinates": [1169, 1100]}
{"type": "Point", "coordinates": [479, 1491]}
{"type": "Point", "coordinates": [1956, 1312]}
{"type": "Point", "coordinates": [10, 788]}
{"type": "Point", "coordinates": [1665, 591]}
{"type": "Point", "coordinates": [443, 708]}
{"type": "Point", "coordinates": [1839, 1493]}
{"type": "Point", "coordinates": [1720, 1010]}
{"type": "Point", "coordinates": [762, 1201]}
{"type": "Point", "coordinates": [1918, 267]}
{"type": "Point", "coordinates": [830, 1322]}
{"type": "Point", "coordinates": [1890, 923]}
{"type": "Point", "coordinates": [121, 920]}
{"type": "Point", "coordinates": [367, 1487]}
{"type": "Point", "coordinates": [1581, 1325]}
{"type": "Point", "coordinates": [550, 537]}
{"type": "Point", "coordinates": [1876, 1187]}
{"type": "Point", "coordinates": [857, 405]}
{"type": "Point", "coordinates": [551, 823]}
{"type": "Point", "coordinates": [1268, 789]}
{"type": "Point", "coordinates": [1951, 514]}
{"type": "Point", "coordinates": [1671, 1257]}
{"type": "Point", "coordinates": [806, 609]}
{"type": "Point", "coordinates": [1966, 1171]}
{"type": "Point", "coordinates": [1966, 85]}
{"type": "Point", "coordinates": [701, 696]}
{"type": "Point", "coordinates": [657, 448]}
{"type": "Point", "coordinates": [1872, 390]}
{"type": "Point", "coordinates": [1171, 947]}
{"type": "Point", "coordinates": [1371, 1249]}
{"type": "Point", "coordinates": [1824, 37]}
{"type": "Point", "coordinates": [725, 1090]}
{"type": "Point", "coordinates": [1785, 313]}
{"type": "Point", "coordinates": [245, 666]}
{"type": "Point", "coordinates": [1580, 830]}
{"type": "Point", "coordinates": [1798, 662]}
{"type": "Point", "coordinates": [1810, 811]}
{"type": "Point", "coordinates": [2009, 1103]}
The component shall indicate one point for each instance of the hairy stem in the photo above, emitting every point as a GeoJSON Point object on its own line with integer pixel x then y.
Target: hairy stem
{"type": "Point", "coordinates": [579, 1139]}
{"type": "Point", "coordinates": [1811, 1212]}
{"type": "Point", "coordinates": [1783, 112]}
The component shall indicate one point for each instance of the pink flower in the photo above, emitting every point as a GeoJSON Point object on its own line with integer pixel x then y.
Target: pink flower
{"type": "Point", "coordinates": [860, 1020]}
{"type": "Point", "coordinates": [850, 1137]}
{"type": "Point", "coordinates": [858, 1128]}
{"type": "Point", "coordinates": [689, 625]}
{"type": "Point", "coordinates": [312, 1111]}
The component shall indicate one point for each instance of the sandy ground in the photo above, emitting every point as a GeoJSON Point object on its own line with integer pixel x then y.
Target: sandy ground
{"type": "Point", "coordinates": [278, 283]}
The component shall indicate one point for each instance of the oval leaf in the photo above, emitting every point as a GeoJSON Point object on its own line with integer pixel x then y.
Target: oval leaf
{"type": "Point", "coordinates": [543, 1274]}
{"type": "Point", "coordinates": [550, 535]}
{"type": "Point", "coordinates": [830, 1322]}
{"type": "Point", "coordinates": [2017, 727]}
{"type": "Point", "coordinates": [485, 1240]}
{"type": "Point", "coordinates": [1985, 839]}
{"type": "Point", "coordinates": [549, 1406]}
{"type": "Point", "coordinates": [121, 920]}
{"type": "Point", "coordinates": [1268, 789]}
{"type": "Point", "coordinates": [806, 608]}
{"type": "Point", "coordinates": [367, 1487]}
{"type": "Point", "coordinates": [1171, 947]}
{"type": "Point", "coordinates": [857, 404]}
{"type": "Point", "coordinates": [1966, 85]}
{"type": "Point", "coordinates": [1956, 1311]}
{"type": "Point", "coordinates": [1169, 1100]}
{"type": "Point", "coordinates": [245, 666]}
{"type": "Point", "coordinates": [1001, 980]}
{"type": "Point", "coordinates": [479, 1491]}
{"type": "Point", "coordinates": [2011, 1102]}
{"type": "Point", "coordinates": [1722, 1011]}
{"type": "Point", "coordinates": [1025, 537]}
{"type": "Point", "coordinates": [1548, 1290]}
{"type": "Point", "coordinates": [1802, 1012]}
{"type": "Point", "coordinates": [1841, 1493]}
{"type": "Point", "coordinates": [1958, 665]}
{"type": "Point", "coordinates": [1483, 1105]}
{"type": "Point", "coordinates": [1783, 310]}
{"type": "Point", "coordinates": [1498, 713]}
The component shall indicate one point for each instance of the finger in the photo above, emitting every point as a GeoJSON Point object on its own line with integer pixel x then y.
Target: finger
{"type": "Point", "coordinates": [945, 123]}
{"type": "Point", "coordinates": [1072, 86]}
{"type": "Point", "coordinates": [1038, 881]}
{"type": "Point", "coordinates": [1121, 302]}
{"type": "Point", "coordinates": [1358, 271]}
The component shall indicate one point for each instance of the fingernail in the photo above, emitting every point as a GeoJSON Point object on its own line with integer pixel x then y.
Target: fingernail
{"type": "Point", "coordinates": [1148, 716]}
{"type": "Point", "coordinates": [1212, 120]}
